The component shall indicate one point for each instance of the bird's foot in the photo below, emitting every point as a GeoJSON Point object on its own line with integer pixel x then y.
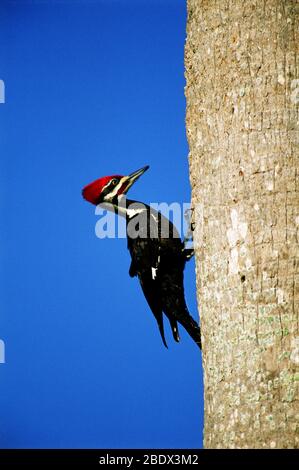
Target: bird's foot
{"type": "Point", "coordinates": [189, 253]}
{"type": "Point", "coordinates": [188, 239]}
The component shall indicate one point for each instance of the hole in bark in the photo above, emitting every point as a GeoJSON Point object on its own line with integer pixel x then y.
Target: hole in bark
{"type": "Point", "coordinates": [243, 278]}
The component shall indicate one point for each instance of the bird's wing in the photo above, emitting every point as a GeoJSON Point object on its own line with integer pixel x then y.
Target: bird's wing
{"type": "Point", "coordinates": [145, 264]}
{"type": "Point", "coordinates": [153, 301]}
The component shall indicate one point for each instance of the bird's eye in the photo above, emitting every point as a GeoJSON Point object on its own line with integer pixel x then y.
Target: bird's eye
{"type": "Point", "coordinates": [114, 181]}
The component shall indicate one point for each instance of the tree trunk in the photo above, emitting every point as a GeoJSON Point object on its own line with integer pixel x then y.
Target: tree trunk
{"type": "Point", "coordinates": [242, 126]}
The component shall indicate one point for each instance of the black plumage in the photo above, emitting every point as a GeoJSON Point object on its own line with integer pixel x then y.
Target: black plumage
{"type": "Point", "coordinates": [158, 260]}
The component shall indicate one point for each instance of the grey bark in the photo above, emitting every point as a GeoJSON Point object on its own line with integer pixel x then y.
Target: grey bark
{"type": "Point", "coordinates": [242, 90]}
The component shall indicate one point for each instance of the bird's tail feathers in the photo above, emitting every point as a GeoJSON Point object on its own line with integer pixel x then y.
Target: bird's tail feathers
{"type": "Point", "coordinates": [161, 329]}
{"type": "Point", "coordinates": [175, 330]}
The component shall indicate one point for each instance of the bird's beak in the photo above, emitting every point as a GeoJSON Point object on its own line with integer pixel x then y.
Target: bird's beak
{"type": "Point", "coordinates": [134, 177]}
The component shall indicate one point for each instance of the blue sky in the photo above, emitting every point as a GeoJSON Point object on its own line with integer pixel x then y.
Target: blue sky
{"type": "Point", "coordinates": [92, 89]}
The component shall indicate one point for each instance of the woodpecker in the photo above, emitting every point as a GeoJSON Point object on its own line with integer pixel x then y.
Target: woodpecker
{"type": "Point", "coordinates": [158, 255]}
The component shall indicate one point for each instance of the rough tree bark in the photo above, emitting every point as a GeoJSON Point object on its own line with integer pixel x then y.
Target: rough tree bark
{"type": "Point", "coordinates": [242, 125]}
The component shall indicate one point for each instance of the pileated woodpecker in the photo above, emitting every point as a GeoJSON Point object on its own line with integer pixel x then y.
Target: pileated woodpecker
{"type": "Point", "coordinates": [157, 252]}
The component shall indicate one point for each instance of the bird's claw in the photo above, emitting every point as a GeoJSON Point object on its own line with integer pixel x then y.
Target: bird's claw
{"type": "Point", "coordinates": [189, 253]}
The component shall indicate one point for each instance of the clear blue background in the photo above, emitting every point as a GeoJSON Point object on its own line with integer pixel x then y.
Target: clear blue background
{"type": "Point", "coordinates": [92, 88]}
